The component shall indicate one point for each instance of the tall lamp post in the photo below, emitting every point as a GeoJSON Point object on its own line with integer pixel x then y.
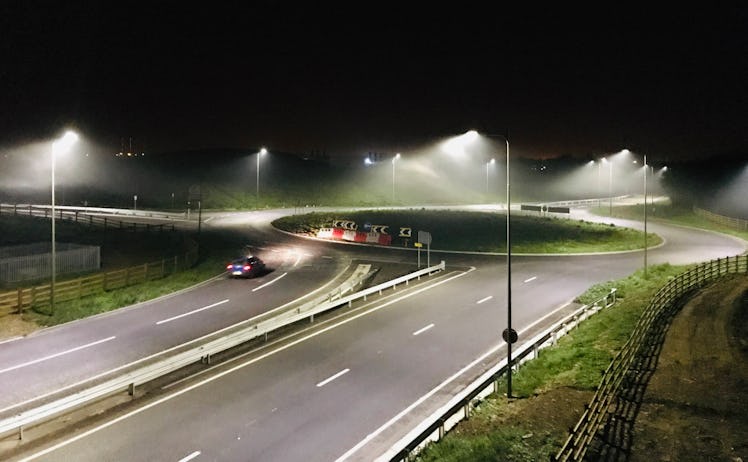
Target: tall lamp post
{"type": "Point", "coordinates": [610, 185]}
{"type": "Point", "coordinates": [492, 161]}
{"type": "Point", "coordinates": [509, 335]}
{"type": "Point", "coordinates": [262, 152]}
{"type": "Point", "coordinates": [646, 168]}
{"type": "Point", "coordinates": [58, 147]}
{"type": "Point", "coordinates": [397, 156]}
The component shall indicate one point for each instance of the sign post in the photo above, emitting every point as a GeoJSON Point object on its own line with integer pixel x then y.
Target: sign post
{"type": "Point", "coordinates": [424, 237]}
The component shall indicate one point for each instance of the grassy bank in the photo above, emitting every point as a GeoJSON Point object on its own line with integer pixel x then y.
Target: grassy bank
{"type": "Point", "coordinates": [683, 216]}
{"type": "Point", "coordinates": [551, 391]}
{"type": "Point", "coordinates": [484, 232]}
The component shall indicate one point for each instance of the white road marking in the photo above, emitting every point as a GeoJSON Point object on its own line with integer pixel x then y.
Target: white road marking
{"type": "Point", "coordinates": [190, 457]}
{"type": "Point", "coordinates": [485, 299]}
{"type": "Point", "coordinates": [298, 259]}
{"type": "Point", "coordinates": [531, 279]}
{"type": "Point", "coordinates": [268, 283]}
{"type": "Point", "coordinates": [433, 391]}
{"type": "Point", "coordinates": [164, 321]}
{"type": "Point", "coordinates": [420, 331]}
{"type": "Point", "coordinates": [176, 347]}
{"type": "Point", "coordinates": [330, 379]}
{"type": "Point", "coordinates": [72, 350]}
{"type": "Point", "coordinates": [8, 340]}
{"type": "Point", "coordinates": [176, 394]}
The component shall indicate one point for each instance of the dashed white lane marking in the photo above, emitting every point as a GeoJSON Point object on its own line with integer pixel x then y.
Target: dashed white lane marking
{"type": "Point", "coordinates": [190, 457]}
{"type": "Point", "coordinates": [330, 379]}
{"type": "Point", "coordinates": [422, 330]}
{"type": "Point", "coordinates": [72, 350]}
{"type": "Point", "coordinates": [484, 299]}
{"type": "Point", "coordinates": [531, 279]}
{"type": "Point", "coordinates": [268, 283]}
{"type": "Point", "coordinates": [164, 321]}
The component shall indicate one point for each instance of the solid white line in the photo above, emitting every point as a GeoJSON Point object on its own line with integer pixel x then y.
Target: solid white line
{"type": "Point", "coordinates": [72, 350]}
{"type": "Point", "coordinates": [176, 347]}
{"type": "Point", "coordinates": [485, 299]}
{"type": "Point", "coordinates": [330, 379]}
{"type": "Point", "coordinates": [234, 369]}
{"type": "Point", "coordinates": [298, 259]}
{"type": "Point", "coordinates": [268, 283]}
{"type": "Point", "coordinates": [420, 331]}
{"type": "Point", "coordinates": [164, 321]}
{"type": "Point", "coordinates": [12, 339]}
{"type": "Point", "coordinates": [423, 398]}
{"type": "Point", "coordinates": [190, 457]}
{"type": "Point", "coordinates": [531, 279]}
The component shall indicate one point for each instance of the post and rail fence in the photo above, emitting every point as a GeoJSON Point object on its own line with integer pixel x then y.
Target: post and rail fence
{"type": "Point", "coordinates": [664, 302]}
{"type": "Point", "coordinates": [38, 296]}
{"type": "Point", "coordinates": [87, 217]}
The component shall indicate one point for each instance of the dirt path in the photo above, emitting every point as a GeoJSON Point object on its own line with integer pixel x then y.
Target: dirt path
{"type": "Point", "coordinates": [695, 407]}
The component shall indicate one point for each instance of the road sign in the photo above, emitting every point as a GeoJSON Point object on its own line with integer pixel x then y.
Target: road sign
{"type": "Point", "coordinates": [405, 232]}
{"type": "Point", "coordinates": [381, 229]}
{"type": "Point", "coordinates": [424, 237]}
{"type": "Point", "coordinates": [509, 336]}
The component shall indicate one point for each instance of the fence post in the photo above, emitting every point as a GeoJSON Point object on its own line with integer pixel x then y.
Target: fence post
{"type": "Point", "coordinates": [145, 272]}
{"type": "Point", "coordinates": [20, 301]}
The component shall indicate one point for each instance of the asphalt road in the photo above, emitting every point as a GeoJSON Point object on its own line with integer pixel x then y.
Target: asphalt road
{"type": "Point", "coordinates": [350, 387]}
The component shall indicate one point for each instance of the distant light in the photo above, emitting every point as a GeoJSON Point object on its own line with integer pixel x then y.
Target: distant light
{"type": "Point", "coordinates": [367, 161]}
{"type": "Point", "coordinates": [625, 151]}
{"type": "Point", "coordinates": [263, 151]}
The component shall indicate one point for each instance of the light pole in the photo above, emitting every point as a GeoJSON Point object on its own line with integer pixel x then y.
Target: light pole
{"type": "Point", "coordinates": [397, 156]}
{"type": "Point", "coordinates": [262, 152]}
{"type": "Point", "coordinates": [646, 167]}
{"type": "Point", "coordinates": [58, 147]}
{"type": "Point", "coordinates": [490, 162]}
{"type": "Point", "coordinates": [610, 185]}
{"type": "Point", "coordinates": [509, 335]}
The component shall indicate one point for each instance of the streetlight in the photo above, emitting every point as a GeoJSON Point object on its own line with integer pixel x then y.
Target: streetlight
{"type": "Point", "coordinates": [646, 167]}
{"type": "Point", "coordinates": [610, 185]}
{"type": "Point", "coordinates": [262, 152]}
{"type": "Point", "coordinates": [490, 162]}
{"type": "Point", "coordinates": [397, 156]}
{"type": "Point", "coordinates": [60, 146]}
{"type": "Point", "coordinates": [509, 335]}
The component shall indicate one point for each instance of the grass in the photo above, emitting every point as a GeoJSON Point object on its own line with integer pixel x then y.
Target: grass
{"type": "Point", "coordinates": [575, 363]}
{"type": "Point", "coordinates": [671, 214]}
{"type": "Point", "coordinates": [484, 232]}
{"type": "Point", "coordinates": [126, 296]}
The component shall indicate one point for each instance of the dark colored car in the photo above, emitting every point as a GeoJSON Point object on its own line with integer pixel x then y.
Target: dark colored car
{"type": "Point", "coordinates": [245, 267]}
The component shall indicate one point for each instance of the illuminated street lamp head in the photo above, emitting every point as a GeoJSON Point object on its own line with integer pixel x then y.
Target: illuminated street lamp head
{"type": "Point", "coordinates": [492, 161]}
{"type": "Point", "coordinates": [63, 144]}
{"type": "Point", "coordinates": [263, 151]}
{"type": "Point", "coordinates": [397, 156]}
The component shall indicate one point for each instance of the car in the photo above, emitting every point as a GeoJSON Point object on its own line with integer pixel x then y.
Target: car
{"type": "Point", "coordinates": [245, 267]}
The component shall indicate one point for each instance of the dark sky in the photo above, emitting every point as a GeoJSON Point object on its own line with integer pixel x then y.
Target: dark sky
{"type": "Point", "coordinates": [352, 77]}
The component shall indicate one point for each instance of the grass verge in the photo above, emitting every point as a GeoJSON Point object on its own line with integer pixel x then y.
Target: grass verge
{"type": "Point", "coordinates": [484, 232]}
{"type": "Point", "coordinates": [551, 391]}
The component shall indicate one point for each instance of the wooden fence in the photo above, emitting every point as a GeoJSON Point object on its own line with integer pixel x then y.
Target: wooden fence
{"type": "Point", "coordinates": [733, 223]}
{"type": "Point", "coordinates": [83, 218]}
{"type": "Point", "coordinates": [16, 301]}
{"type": "Point", "coordinates": [666, 300]}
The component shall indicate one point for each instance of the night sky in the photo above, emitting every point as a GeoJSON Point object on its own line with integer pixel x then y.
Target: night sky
{"type": "Point", "coordinates": [351, 77]}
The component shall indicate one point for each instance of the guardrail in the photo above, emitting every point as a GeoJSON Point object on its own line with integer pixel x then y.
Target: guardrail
{"type": "Point", "coordinates": [435, 427]}
{"type": "Point", "coordinates": [665, 300]}
{"type": "Point", "coordinates": [88, 216]}
{"type": "Point", "coordinates": [245, 331]}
